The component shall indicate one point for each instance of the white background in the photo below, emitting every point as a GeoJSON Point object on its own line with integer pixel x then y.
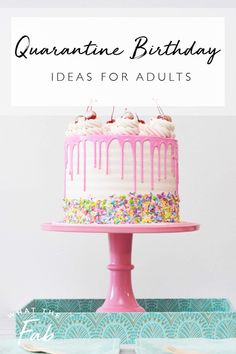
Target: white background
{"type": "Point", "coordinates": [36, 264]}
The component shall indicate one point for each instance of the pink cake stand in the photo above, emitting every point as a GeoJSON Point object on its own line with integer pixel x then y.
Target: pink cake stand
{"type": "Point", "coordinates": [120, 296]}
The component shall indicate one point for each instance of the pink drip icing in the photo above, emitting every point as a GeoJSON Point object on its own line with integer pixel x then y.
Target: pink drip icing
{"type": "Point", "coordinates": [165, 158]}
{"type": "Point", "coordinates": [95, 154]}
{"type": "Point", "coordinates": [71, 161]}
{"type": "Point", "coordinates": [85, 165]}
{"type": "Point", "coordinates": [152, 165]}
{"type": "Point", "coordinates": [65, 183]}
{"type": "Point", "coordinates": [66, 164]}
{"type": "Point", "coordinates": [122, 160]}
{"type": "Point", "coordinates": [135, 166]}
{"type": "Point", "coordinates": [173, 160]}
{"type": "Point", "coordinates": [107, 157]}
{"type": "Point", "coordinates": [78, 156]}
{"type": "Point", "coordinates": [142, 174]}
{"type": "Point", "coordinates": [159, 163]}
{"type": "Point", "coordinates": [100, 155]}
{"type": "Point", "coordinates": [154, 142]}
{"type": "Point", "coordinates": [66, 155]}
{"type": "Point", "coordinates": [176, 169]}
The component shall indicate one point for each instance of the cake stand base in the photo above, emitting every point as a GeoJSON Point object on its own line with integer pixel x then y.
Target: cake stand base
{"type": "Point", "coordinates": [120, 297]}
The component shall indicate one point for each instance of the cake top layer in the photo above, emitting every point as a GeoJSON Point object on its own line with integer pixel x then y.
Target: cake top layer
{"type": "Point", "coordinates": [128, 124]}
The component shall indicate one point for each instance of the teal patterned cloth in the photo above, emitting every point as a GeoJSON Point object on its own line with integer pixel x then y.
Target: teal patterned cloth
{"type": "Point", "coordinates": [208, 346]}
{"type": "Point", "coordinates": [66, 346]}
{"type": "Point", "coordinates": [164, 318]}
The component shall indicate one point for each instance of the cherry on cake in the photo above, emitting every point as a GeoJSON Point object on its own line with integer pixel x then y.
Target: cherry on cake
{"type": "Point", "coordinates": [123, 171]}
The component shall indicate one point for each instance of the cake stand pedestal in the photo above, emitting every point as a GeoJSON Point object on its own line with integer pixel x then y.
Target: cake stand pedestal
{"type": "Point", "coordinates": [120, 296]}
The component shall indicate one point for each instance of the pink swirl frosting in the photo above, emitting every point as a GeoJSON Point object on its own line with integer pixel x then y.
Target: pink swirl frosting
{"type": "Point", "coordinates": [126, 125]}
{"type": "Point", "coordinates": [93, 126]}
{"type": "Point", "coordinates": [83, 126]}
{"type": "Point", "coordinates": [145, 129]}
{"type": "Point", "coordinates": [161, 128]}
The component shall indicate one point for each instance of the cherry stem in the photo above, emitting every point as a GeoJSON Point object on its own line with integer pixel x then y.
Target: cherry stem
{"type": "Point", "coordinates": [113, 109]}
{"type": "Point", "coordinates": [160, 110]}
{"type": "Point", "coordinates": [90, 105]}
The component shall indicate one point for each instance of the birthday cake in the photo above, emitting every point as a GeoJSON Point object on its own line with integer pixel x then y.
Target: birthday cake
{"type": "Point", "coordinates": [122, 171]}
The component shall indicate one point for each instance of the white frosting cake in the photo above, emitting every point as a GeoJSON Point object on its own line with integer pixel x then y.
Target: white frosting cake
{"type": "Point", "coordinates": [125, 171]}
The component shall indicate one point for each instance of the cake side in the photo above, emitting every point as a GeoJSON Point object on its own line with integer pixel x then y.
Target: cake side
{"type": "Point", "coordinates": [119, 179]}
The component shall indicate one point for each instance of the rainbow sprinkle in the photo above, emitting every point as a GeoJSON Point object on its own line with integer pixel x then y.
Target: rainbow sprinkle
{"type": "Point", "coordinates": [123, 209]}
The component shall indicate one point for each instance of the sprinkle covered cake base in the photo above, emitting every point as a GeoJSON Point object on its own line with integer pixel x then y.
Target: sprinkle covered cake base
{"type": "Point", "coordinates": [133, 208]}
